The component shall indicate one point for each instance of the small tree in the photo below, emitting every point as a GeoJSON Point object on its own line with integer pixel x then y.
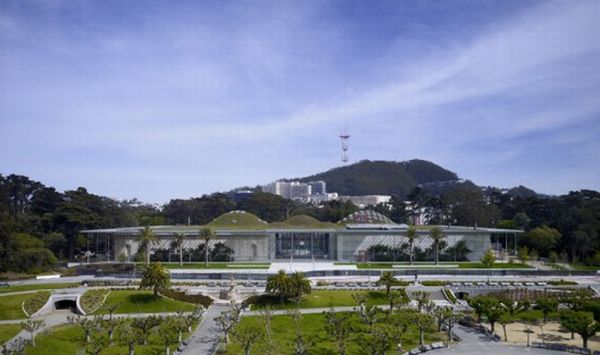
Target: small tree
{"type": "Point", "coordinates": [437, 235]}
{"type": "Point", "coordinates": [267, 318]}
{"type": "Point", "coordinates": [411, 235]}
{"type": "Point", "coordinates": [31, 326]}
{"type": "Point", "coordinates": [155, 276]}
{"type": "Point", "coordinates": [339, 327]}
{"type": "Point", "coordinates": [378, 339]}
{"type": "Point", "coordinates": [167, 330]}
{"type": "Point", "coordinates": [111, 309]}
{"type": "Point", "coordinates": [247, 334]}
{"type": "Point", "coordinates": [206, 234]}
{"type": "Point", "coordinates": [86, 324]}
{"type": "Point", "coordinates": [388, 280]}
{"type": "Point", "coordinates": [97, 344]}
{"type": "Point", "coordinates": [423, 322]}
{"type": "Point", "coordinates": [582, 323]}
{"type": "Point", "coordinates": [360, 299]}
{"type": "Point", "coordinates": [479, 305]}
{"type": "Point", "coordinates": [451, 318]}
{"type": "Point", "coordinates": [145, 326]}
{"type": "Point", "coordinates": [523, 254]}
{"type": "Point", "coordinates": [111, 325]}
{"type": "Point", "coordinates": [129, 336]}
{"type": "Point", "coordinates": [397, 299]}
{"type": "Point", "coordinates": [180, 323]}
{"type": "Point", "coordinates": [493, 312]}
{"type": "Point", "coordinates": [488, 259]}
{"type": "Point", "coordinates": [422, 299]}
{"type": "Point", "coordinates": [227, 320]}
{"type": "Point", "coordinates": [370, 315]}
{"type": "Point", "coordinates": [504, 320]}
{"type": "Point", "coordinates": [547, 305]}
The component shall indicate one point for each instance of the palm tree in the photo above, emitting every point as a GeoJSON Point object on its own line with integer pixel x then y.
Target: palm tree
{"type": "Point", "coordinates": [179, 238]}
{"type": "Point", "coordinates": [387, 279]}
{"type": "Point", "coordinates": [299, 284]}
{"type": "Point", "coordinates": [145, 239]}
{"type": "Point", "coordinates": [206, 234]}
{"type": "Point", "coordinates": [437, 235]}
{"type": "Point", "coordinates": [279, 284]}
{"type": "Point", "coordinates": [411, 235]}
{"type": "Point", "coordinates": [156, 277]}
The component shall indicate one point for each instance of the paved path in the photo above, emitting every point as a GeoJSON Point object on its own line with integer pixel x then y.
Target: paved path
{"type": "Point", "coordinates": [475, 343]}
{"type": "Point", "coordinates": [206, 337]}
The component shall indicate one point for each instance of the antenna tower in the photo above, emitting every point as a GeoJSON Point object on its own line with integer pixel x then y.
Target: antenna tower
{"type": "Point", "coordinates": [344, 137]}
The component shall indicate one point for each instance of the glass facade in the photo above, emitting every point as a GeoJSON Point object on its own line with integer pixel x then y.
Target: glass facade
{"type": "Point", "coordinates": [302, 245]}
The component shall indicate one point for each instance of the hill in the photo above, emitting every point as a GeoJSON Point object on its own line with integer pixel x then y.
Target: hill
{"type": "Point", "coordinates": [382, 177]}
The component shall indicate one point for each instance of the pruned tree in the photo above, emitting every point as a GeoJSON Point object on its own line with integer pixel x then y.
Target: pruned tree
{"type": "Point", "coordinates": [145, 326]}
{"type": "Point", "coordinates": [360, 299]}
{"type": "Point", "coordinates": [397, 299]}
{"type": "Point", "coordinates": [167, 330]}
{"type": "Point", "coordinates": [247, 334]}
{"type": "Point", "coordinates": [98, 342]}
{"type": "Point", "coordinates": [129, 336]}
{"type": "Point", "coordinates": [422, 298]}
{"type": "Point", "coordinates": [86, 324]}
{"type": "Point", "coordinates": [582, 323]}
{"type": "Point", "coordinates": [338, 326]}
{"type": "Point", "coordinates": [423, 322]}
{"type": "Point", "coordinates": [228, 319]}
{"type": "Point", "coordinates": [504, 320]}
{"type": "Point", "coordinates": [111, 309]}
{"type": "Point", "coordinates": [547, 305]}
{"type": "Point", "coordinates": [31, 326]}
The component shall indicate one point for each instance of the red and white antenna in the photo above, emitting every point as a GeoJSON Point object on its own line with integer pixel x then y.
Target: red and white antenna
{"type": "Point", "coordinates": [344, 137]}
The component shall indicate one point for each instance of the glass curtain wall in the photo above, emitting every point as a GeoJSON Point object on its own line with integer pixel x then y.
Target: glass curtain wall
{"type": "Point", "coordinates": [302, 245]}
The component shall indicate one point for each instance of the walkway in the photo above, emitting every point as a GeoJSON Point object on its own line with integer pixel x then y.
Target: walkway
{"type": "Point", "coordinates": [475, 343]}
{"type": "Point", "coordinates": [206, 337]}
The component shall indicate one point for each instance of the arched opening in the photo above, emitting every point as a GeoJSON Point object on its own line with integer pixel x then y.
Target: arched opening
{"type": "Point", "coordinates": [66, 304]}
{"type": "Point", "coordinates": [462, 295]}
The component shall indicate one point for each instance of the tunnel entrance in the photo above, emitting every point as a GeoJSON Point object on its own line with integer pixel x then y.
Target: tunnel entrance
{"type": "Point", "coordinates": [66, 304]}
{"type": "Point", "coordinates": [462, 295]}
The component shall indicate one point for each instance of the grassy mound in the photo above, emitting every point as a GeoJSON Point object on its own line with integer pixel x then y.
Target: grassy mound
{"type": "Point", "coordinates": [36, 301]}
{"type": "Point", "coordinates": [93, 299]}
{"type": "Point", "coordinates": [237, 219]}
{"type": "Point", "coordinates": [141, 301]}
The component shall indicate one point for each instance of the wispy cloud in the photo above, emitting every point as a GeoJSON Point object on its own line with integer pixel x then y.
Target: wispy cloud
{"type": "Point", "coordinates": [228, 94]}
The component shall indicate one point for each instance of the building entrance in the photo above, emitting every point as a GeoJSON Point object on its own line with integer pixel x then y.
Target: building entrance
{"type": "Point", "coordinates": [302, 245]}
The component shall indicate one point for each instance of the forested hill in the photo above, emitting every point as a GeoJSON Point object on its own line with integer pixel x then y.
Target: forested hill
{"type": "Point", "coordinates": [382, 177]}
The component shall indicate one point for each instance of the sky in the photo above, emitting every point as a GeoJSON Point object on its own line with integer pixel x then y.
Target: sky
{"type": "Point", "coordinates": [160, 99]}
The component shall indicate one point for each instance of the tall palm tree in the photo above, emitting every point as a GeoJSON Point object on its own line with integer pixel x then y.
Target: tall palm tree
{"type": "Point", "coordinates": [437, 235]}
{"type": "Point", "coordinates": [279, 284]}
{"type": "Point", "coordinates": [411, 235]}
{"type": "Point", "coordinates": [206, 234]}
{"type": "Point", "coordinates": [179, 238]}
{"type": "Point", "coordinates": [146, 238]}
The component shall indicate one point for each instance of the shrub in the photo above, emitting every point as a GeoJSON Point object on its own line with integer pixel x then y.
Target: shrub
{"type": "Point", "coordinates": [561, 282]}
{"type": "Point", "coordinates": [181, 296]}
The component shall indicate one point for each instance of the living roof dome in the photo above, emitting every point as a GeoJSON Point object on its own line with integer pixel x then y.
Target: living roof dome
{"type": "Point", "coordinates": [237, 219]}
{"type": "Point", "coordinates": [302, 220]}
{"type": "Point", "coordinates": [366, 217]}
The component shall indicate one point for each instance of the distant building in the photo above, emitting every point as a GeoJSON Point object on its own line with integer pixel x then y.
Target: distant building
{"type": "Point", "coordinates": [317, 187]}
{"type": "Point", "coordinates": [367, 200]}
{"type": "Point", "coordinates": [295, 190]}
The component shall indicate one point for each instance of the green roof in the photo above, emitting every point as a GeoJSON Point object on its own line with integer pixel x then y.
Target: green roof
{"type": "Point", "coordinates": [301, 221]}
{"type": "Point", "coordinates": [238, 219]}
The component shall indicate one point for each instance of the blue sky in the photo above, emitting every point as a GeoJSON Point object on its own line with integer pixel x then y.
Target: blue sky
{"type": "Point", "coordinates": [160, 100]}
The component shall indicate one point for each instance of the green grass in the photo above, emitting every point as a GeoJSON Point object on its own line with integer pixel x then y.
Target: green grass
{"type": "Point", "coordinates": [36, 301]}
{"type": "Point", "coordinates": [584, 267]}
{"type": "Point", "coordinates": [142, 301]}
{"type": "Point", "coordinates": [313, 328]}
{"type": "Point", "coordinates": [93, 299]}
{"type": "Point", "coordinates": [338, 298]}
{"type": "Point", "coordinates": [10, 305]}
{"type": "Point", "coordinates": [8, 331]}
{"type": "Point", "coordinates": [35, 287]}
{"type": "Point", "coordinates": [430, 265]}
{"type": "Point", "coordinates": [68, 339]}
{"type": "Point", "coordinates": [217, 265]}
{"type": "Point", "coordinates": [495, 266]}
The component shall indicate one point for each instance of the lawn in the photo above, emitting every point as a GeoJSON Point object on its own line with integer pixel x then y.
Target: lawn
{"type": "Point", "coordinates": [35, 287]}
{"type": "Point", "coordinates": [217, 265]}
{"type": "Point", "coordinates": [10, 305]}
{"type": "Point", "coordinates": [7, 331]}
{"type": "Point", "coordinates": [68, 339]}
{"type": "Point", "coordinates": [313, 328]}
{"type": "Point", "coordinates": [584, 267]}
{"type": "Point", "coordinates": [142, 301]}
{"type": "Point", "coordinates": [338, 298]}
{"type": "Point", "coordinates": [445, 265]}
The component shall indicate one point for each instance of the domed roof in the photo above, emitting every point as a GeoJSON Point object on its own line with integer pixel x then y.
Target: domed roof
{"type": "Point", "coordinates": [302, 220]}
{"type": "Point", "coordinates": [366, 217]}
{"type": "Point", "coordinates": [237, 219]}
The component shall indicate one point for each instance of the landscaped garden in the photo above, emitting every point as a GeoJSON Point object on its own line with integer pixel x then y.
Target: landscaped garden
{"type": "Point", "coordinates": [321, 299]}
{"type": "Point", "coordinates": [11, 306]}
{"type": "Point", "coordinates": [142, 301]}
{"type": "Point", "coordinates": [286, 333]}
{"type": "Point", "coordinates": [35, 287]}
